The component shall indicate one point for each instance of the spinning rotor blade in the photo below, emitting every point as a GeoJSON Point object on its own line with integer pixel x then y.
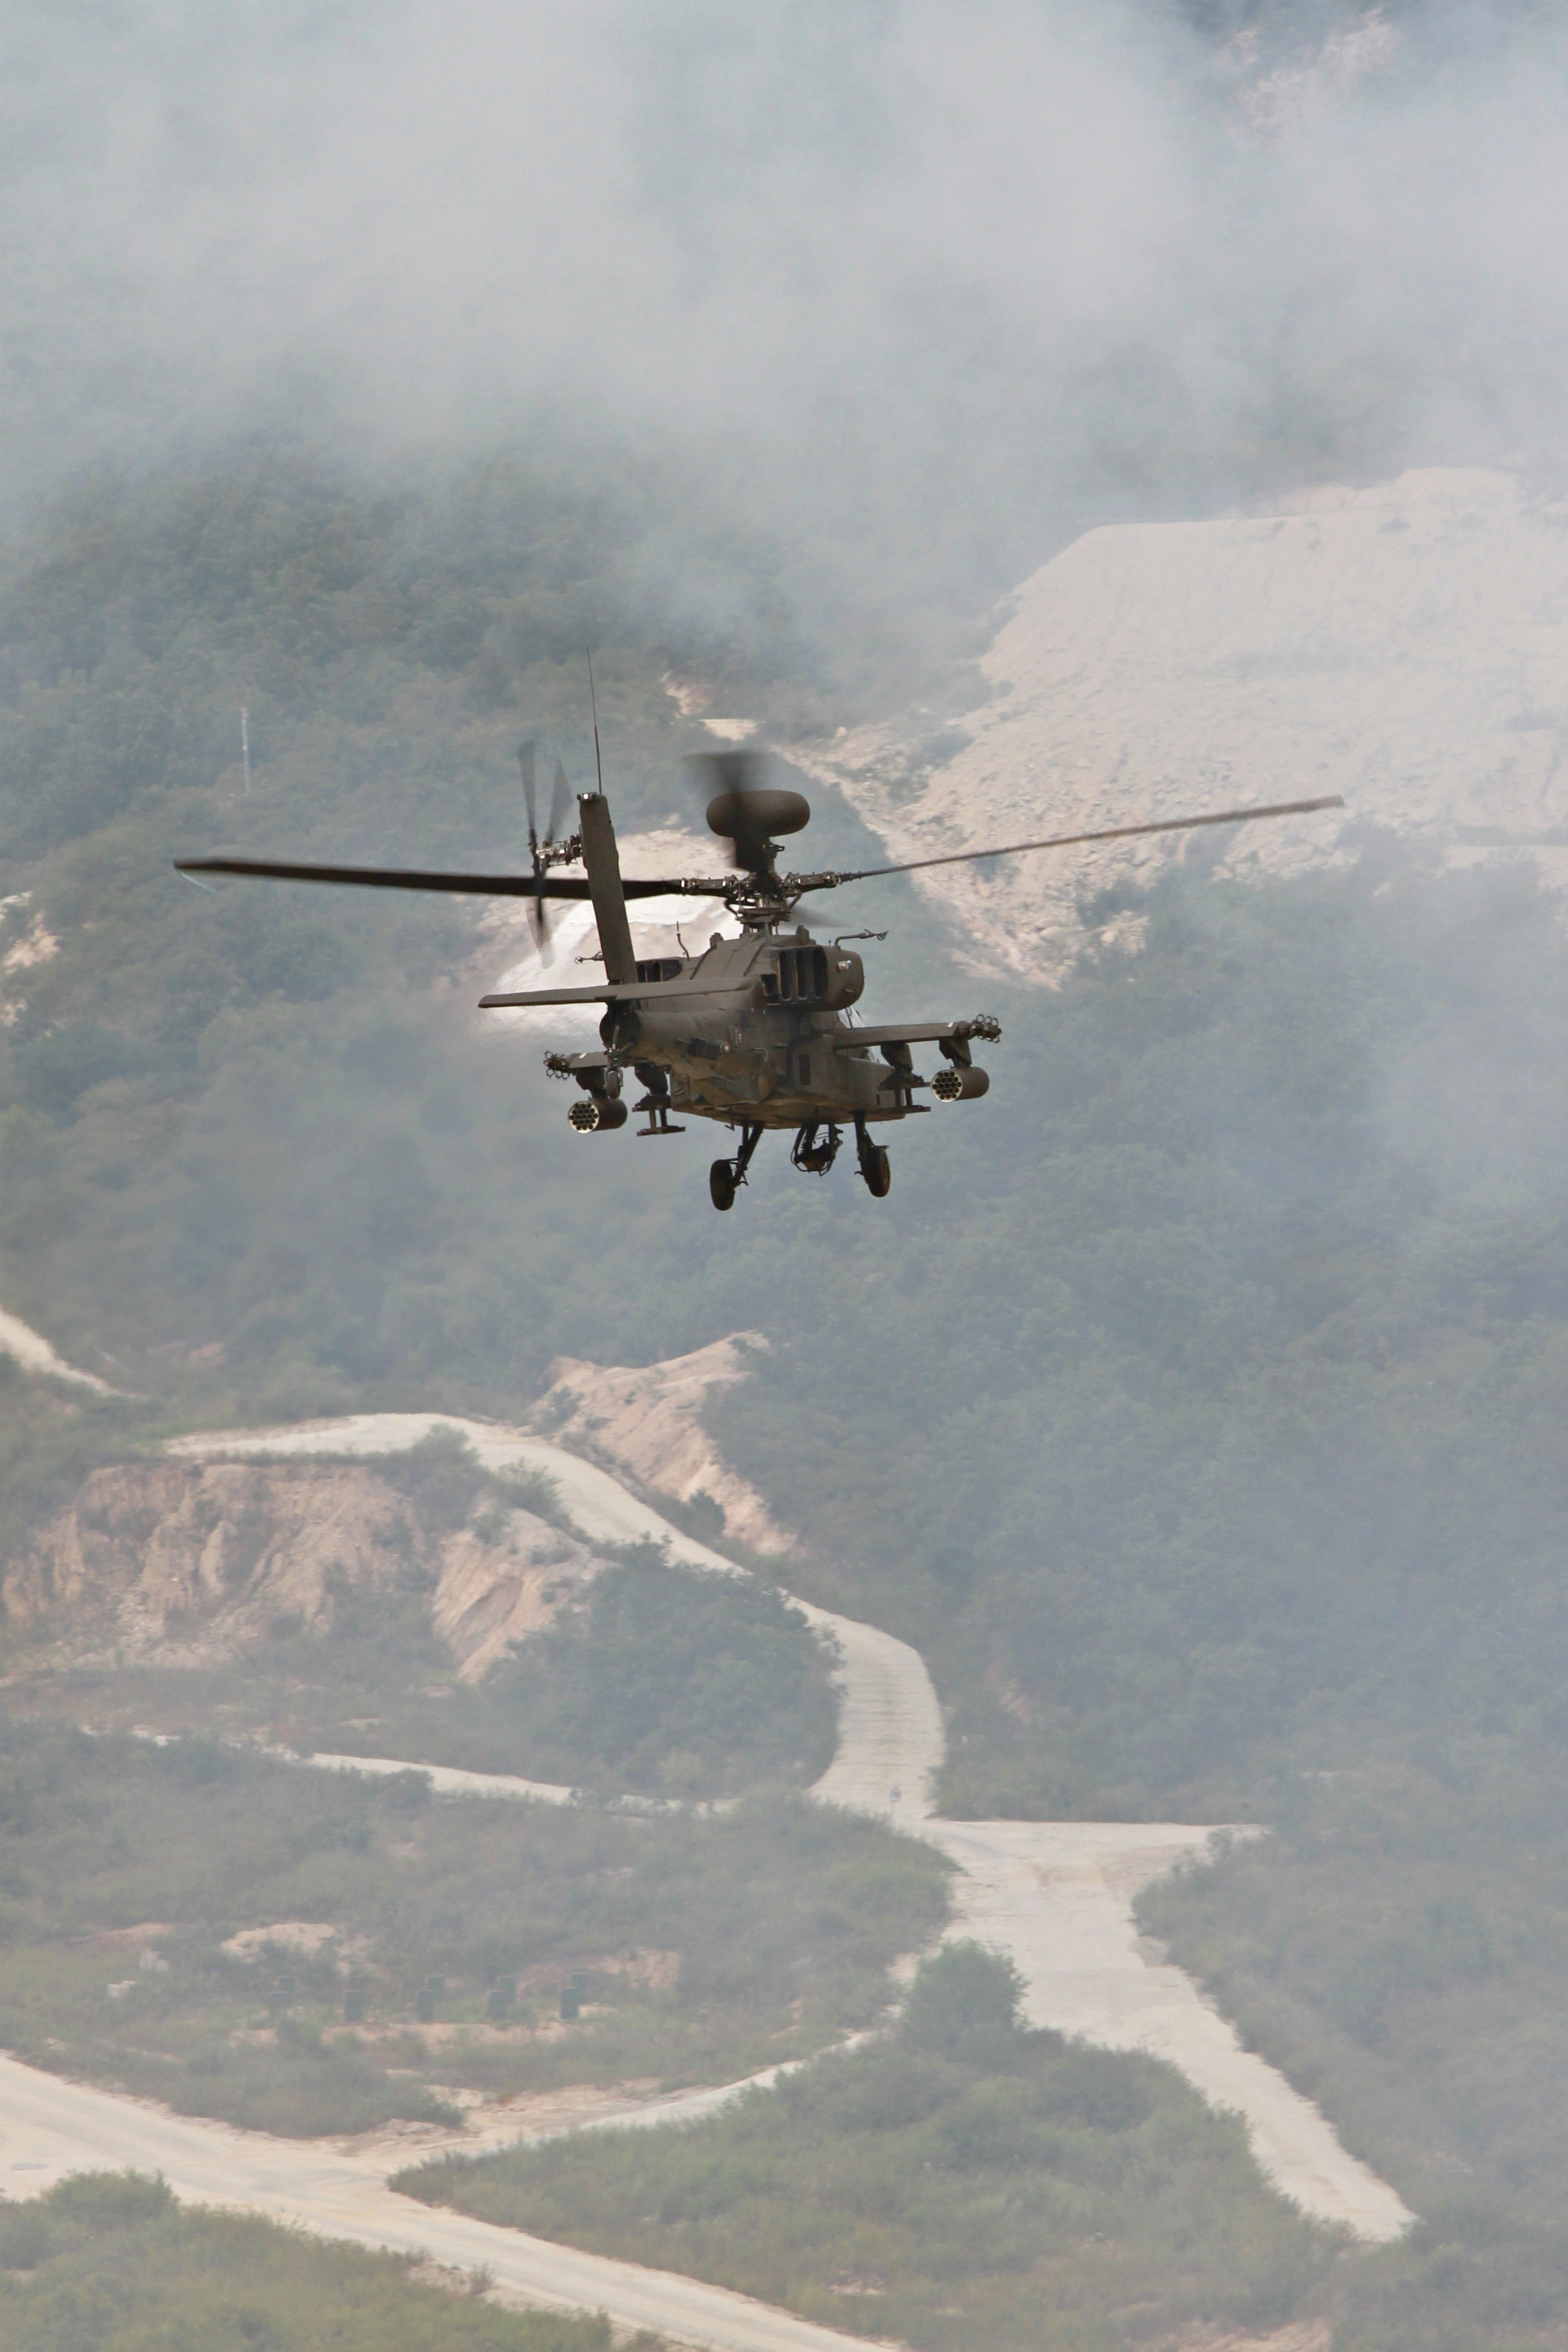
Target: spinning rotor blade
{"type": "Point", "coordinates": [525, 765]}
{"type": "Point", "coordinates": [727, 772]}
{"type": "Point", "coordinates": [725, 779]}
{"type": "Point", "coordinates": [559, 802]}
{"type": "Point", "coordinates": [538, 913]}
{"type": "Point", "coordinates": [1107, 832]}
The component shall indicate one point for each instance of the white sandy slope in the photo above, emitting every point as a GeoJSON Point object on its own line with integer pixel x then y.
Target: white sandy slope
{"type": "Point", "coordinates": [1404, 645]}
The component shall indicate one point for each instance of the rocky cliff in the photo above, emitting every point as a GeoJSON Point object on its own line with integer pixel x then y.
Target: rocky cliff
{"type": "Point", "coordinates": [189, 1563]}
{"type": "Point", "coordinates": [647, 1420]}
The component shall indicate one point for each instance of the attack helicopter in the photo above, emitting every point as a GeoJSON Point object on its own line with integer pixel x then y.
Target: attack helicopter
{"type": "Point", "coordinates": [755, 1032]}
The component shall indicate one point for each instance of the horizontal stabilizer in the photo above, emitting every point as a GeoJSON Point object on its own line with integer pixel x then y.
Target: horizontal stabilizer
{"type": "Point", "coordinates": [505, 1001]}
{"type": "Point", "coordinates": [608, 992]}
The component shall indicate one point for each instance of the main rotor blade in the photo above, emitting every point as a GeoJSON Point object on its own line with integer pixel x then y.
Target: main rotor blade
{"type": "Point", "coordinates": [559, 801]}
{"type": "Point", "coordinates": [525, 764]}
{"type": "Point", "coordinates": [1107, 833]}
{"type": "Point", "coordinates": [539, 917]}
{"type": "Point", "coordinates": [480, 886]}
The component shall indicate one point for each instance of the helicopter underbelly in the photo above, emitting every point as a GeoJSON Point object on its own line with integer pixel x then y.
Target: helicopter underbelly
{"type": "Point", "coordinates": [789, 1111]}
{"type": "Point", "coordinates": [836, 1086]}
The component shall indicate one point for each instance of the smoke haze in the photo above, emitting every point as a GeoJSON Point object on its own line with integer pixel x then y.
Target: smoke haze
{"type": "Point", "coordinates": [930, 284]}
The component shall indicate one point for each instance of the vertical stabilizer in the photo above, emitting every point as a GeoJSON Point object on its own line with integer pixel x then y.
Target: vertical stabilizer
{"type": "Point", "coordinates": [603, 861]}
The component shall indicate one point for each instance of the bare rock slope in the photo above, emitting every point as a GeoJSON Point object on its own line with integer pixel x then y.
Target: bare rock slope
{"type": "Point", "coordinates": [647, 1421]}
{"type": "Point", "coordinates": [185, 1563]}
{"type": "Point", "coordinates": [1404, 645]}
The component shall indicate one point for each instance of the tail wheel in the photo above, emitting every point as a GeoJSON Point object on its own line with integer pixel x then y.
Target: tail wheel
{"type": "Point", "coordinates": [721, 1184]}
{"type": "Point", "coordinates": [877, 1171]}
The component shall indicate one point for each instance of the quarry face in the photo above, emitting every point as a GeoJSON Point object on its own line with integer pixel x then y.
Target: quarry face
{"type": "Point", "coordinates": [190, 1564]}
{"type": "Point", "coordinates": [1404, 645]}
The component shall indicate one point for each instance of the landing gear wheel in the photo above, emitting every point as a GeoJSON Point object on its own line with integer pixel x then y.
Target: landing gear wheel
{"type": "Point", "coordinates": [876, 1169]}
{"type": "Point", "coordinates": [721, 1184]}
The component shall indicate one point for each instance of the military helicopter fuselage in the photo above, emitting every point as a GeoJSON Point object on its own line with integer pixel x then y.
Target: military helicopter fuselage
{"type": "Point", "coordinates": [755, 1032]}
{"type": "Point", "coordinates": [751, 1031]}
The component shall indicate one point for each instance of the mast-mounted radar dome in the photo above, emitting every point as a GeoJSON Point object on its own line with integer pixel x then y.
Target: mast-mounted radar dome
{"type": "Point", "coordinates": [757, 814]}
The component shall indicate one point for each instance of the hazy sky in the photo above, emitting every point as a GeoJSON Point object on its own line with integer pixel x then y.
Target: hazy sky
{"type": "Point", "coordinates": [943, 272]}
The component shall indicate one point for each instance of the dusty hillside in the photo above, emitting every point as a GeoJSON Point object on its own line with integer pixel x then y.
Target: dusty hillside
{"type": "Point", "coordinates": [647, 1420]}
{"type": "Point", "coordinates": [179, 1563]}
{"type": "Point", "coordinates": [1406, 645]}
{"type": "Point", "coordinates": [185, 1562]}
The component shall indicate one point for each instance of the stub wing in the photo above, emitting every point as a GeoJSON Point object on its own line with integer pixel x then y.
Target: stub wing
{"type": "Point", "coordinates": [918, 1033]}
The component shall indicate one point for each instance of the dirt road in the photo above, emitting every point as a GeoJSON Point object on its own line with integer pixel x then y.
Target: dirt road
{"type": "Point", "coordinates": [49, 2128]}
{"type": "Point", "coordinates": [1057, 1896]}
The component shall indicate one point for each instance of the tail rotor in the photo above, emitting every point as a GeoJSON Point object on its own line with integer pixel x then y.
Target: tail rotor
{"type": "Point", "coordinates": [546, 853]}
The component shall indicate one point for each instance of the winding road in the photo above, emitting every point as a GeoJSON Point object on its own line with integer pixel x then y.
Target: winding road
{"type": "Point", "coordinates": [1057, 1896]}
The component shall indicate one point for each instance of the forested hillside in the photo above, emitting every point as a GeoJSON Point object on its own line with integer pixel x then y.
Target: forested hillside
{"type": "Point", "coordinates": [1194, 1402]}
{"type": "Point", "coordinates": [390, 655]}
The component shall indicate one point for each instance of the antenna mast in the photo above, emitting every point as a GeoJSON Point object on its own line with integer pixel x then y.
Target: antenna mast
{"type": "Point", "coordinates": [593, 706]}
{"type": "Point", "coordinates": [245, 744]}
